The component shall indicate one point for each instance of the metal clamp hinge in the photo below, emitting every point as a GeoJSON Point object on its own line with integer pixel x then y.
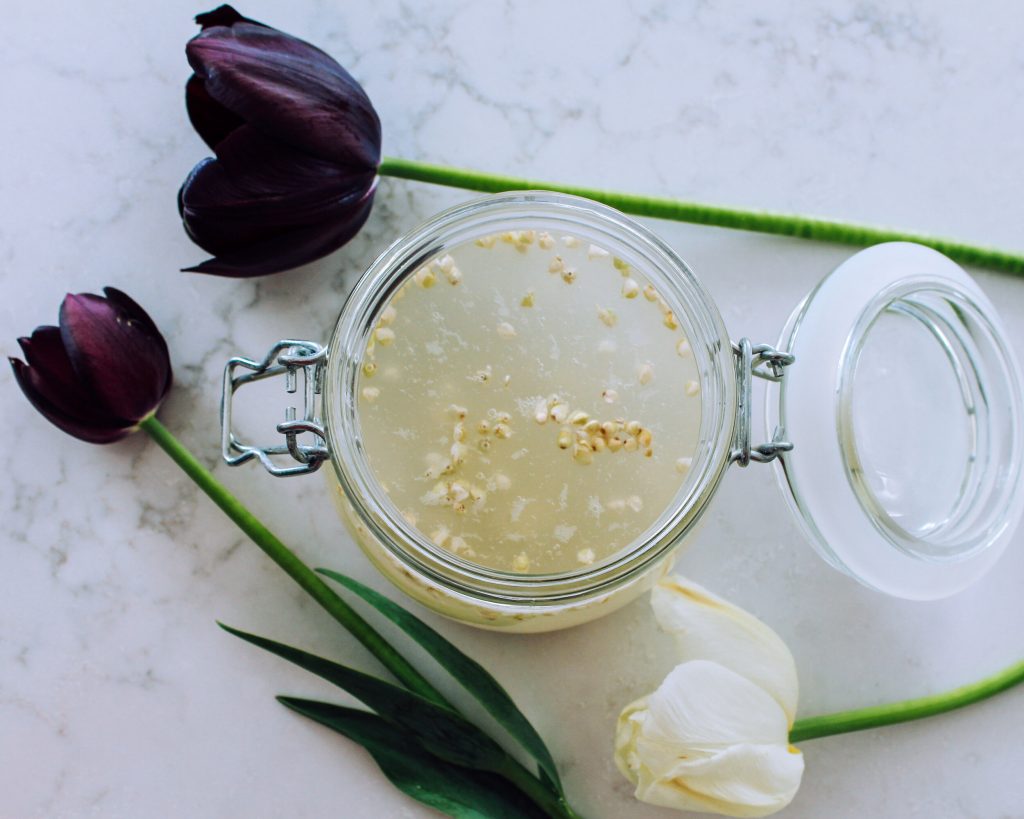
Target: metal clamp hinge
{"type": "Point", "coordinates": [287, 357]}
{"type": "Point", "coordinates": [765, 362]}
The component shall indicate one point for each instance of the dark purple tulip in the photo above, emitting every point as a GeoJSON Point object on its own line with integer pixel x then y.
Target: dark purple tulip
{"type": "Point", "coordinates": [101, 372]}
{"type": "Point", "coordinates": [297, 144]}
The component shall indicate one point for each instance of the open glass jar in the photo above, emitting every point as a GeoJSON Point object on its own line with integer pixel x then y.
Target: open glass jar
{"type": "Point", "coordinates": [893, 413]}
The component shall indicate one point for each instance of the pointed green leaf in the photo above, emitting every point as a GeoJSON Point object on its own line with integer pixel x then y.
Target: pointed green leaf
{"type": "Point", "coordinates": [469, 673]}
{"type": "Point", "coordinates": [458, 792]}
{"type": "Point", "coordinates": [440, 730]}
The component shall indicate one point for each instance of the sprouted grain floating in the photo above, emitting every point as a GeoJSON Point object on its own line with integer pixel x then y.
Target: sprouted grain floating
{"type": "Point", "coordinates": [529, 403]}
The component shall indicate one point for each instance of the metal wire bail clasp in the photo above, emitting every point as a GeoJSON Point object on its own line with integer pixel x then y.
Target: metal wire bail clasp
{"type": "Point", "coordinates": [766, 362]}
{"type": "Point", "coordinates": [287, 357]}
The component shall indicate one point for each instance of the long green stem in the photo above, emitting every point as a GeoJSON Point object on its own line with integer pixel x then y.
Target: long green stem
{"type": "Point", "coordinates": [804, 227]}
{"type": "Point", "coordinates": [284, 557]}
{"type": "Point", "coordinates": [879, 715]}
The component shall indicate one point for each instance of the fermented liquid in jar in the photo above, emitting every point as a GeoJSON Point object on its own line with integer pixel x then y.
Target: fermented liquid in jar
{"type": "Point", "coordinates": [529, 402]}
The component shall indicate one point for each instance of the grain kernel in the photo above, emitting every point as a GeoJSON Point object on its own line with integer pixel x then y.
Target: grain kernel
{"type": "Point", "coordinates": [540, 412]}
{"type": "Point", "coordinates": [371, 393]}
{"type": "Point", "coordinates": [650, 293]}
{"type": "Point", "coordinates": [545, 240]}
{"type": "Point", "coordinates": [692, 388]}
{"type": "Point", "coordinates": [683, 465]}
{"type": "Point", "coordinates": [557, 265]}
{"type": "Point", "coordinates": [595, 252]}
{"type": "Point", "coordinates": [559, 412]}
{"type": "Point", "coordinates": [454, 276]}
{"type": "Point", "coordinates": [610, 396]}
{"type": "Point", "coordinates": [646, 373]}
{"type": "Point", "coordinates": [607, 316]}
{"type": "Point", "coordinates": [527, 300]}
{"type": "Point", "coordinates": [683, 348]}
{"type": "Point", "coordinates": [440, 535]}
{"type": "Point", "coordinates": [585, 556]}
{"type": "Point", "coordinates": [384, 335]}
{"type": "Point", "coordinates": [582, 453]}
{"type": "Point", "coordinates": [569, 275]}
{"type": "Point", "coordinates": [506, 330]}
{"type": "Point", "coordinates": [630, 288]}
{"type": "Point", "coordinates": [425, 278]}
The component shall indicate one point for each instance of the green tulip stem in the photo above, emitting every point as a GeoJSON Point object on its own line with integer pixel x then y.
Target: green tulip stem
{"type": "Point", "coordinates": [880, 715]}
{"type": "Point", "coordinates": [284, 557]}
{"type": "Point", "coordinates": [804, 227]}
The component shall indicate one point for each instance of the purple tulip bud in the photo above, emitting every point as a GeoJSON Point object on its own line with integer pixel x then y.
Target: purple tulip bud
{"type": "Point", "coordinates": [101, 372]}
{"type": "Point", "coordinates": [297, 145]}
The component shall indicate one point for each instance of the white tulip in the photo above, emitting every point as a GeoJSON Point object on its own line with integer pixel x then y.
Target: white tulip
{"type": "Point", "coordinates": [714, 736]}
{"type": "Point", "coordinates": [707, 627]}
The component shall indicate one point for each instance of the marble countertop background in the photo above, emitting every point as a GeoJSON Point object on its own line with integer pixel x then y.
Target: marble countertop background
{"type": "Point", "coordinates": [119, 697]}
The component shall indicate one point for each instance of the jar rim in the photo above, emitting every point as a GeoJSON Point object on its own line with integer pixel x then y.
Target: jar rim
{"type": "Point", "coordinates": [679, 286]}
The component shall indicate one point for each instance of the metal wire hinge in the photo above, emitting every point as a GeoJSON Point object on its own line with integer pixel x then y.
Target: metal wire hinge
{"type": "Point", "coordinates": [287, 357]}
{"type": "Point", "coordinates": [763, 361]}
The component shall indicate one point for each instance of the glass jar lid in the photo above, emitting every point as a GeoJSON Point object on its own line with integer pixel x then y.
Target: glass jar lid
{"type": "Point", "coordinates": [904, 409]}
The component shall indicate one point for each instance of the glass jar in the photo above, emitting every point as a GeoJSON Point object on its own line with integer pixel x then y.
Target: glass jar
{"type": "Point", "coordinates": [835, 405]}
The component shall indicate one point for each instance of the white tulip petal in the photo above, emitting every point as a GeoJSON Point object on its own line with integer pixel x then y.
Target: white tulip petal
{"type": "Point", "coordinates": [744, 780]}
{"type": "Point", "coordinates": [709, 739]}
{"type": "Point", "coordinates": [710, 628]}
{"type": "Point", "coordinates": [704, 706]}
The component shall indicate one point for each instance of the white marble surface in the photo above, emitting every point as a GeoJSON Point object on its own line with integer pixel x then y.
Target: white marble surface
{"type": "Point", "coordinates": [119, 697]}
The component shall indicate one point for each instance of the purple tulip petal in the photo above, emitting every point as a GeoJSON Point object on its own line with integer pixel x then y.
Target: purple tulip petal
{"type": "Point", "coordinates": [211, 120]}
{"type": "Point", "coordinates": [263, 196]}
{"type": "Point", "coordinates": [287, 250]}
{"type": "Point", "coordinates": [222, 16]}
{"type": "Point", "coordinates": [115, 353]}
{"type": "Point", "coordinates": [94, 433]}
{"type": "Point", "coordinates": [51, 375]}
{"type": "Point", "coordinates": [134, 311]}
{"type": "Point", "coordinates": [262, 183]}
{"type": "Point", "coordinates": [288, 89]}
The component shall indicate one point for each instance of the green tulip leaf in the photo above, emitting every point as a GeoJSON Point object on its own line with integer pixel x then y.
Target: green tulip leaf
{"type": "Point", "coordinates": [458, 792]}
{"type": "Point", "coordinates": [439, 729]}
{"type": "Point", "coordinates": [469, 673]}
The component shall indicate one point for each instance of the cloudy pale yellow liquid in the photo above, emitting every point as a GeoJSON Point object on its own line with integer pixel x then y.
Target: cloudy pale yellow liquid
{"type": "Point", "coordinates": [479, 347]}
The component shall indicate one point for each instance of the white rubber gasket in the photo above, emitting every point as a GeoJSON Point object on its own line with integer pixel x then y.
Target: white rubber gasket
{"type": "Point", "coordinates": [815, 476]}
